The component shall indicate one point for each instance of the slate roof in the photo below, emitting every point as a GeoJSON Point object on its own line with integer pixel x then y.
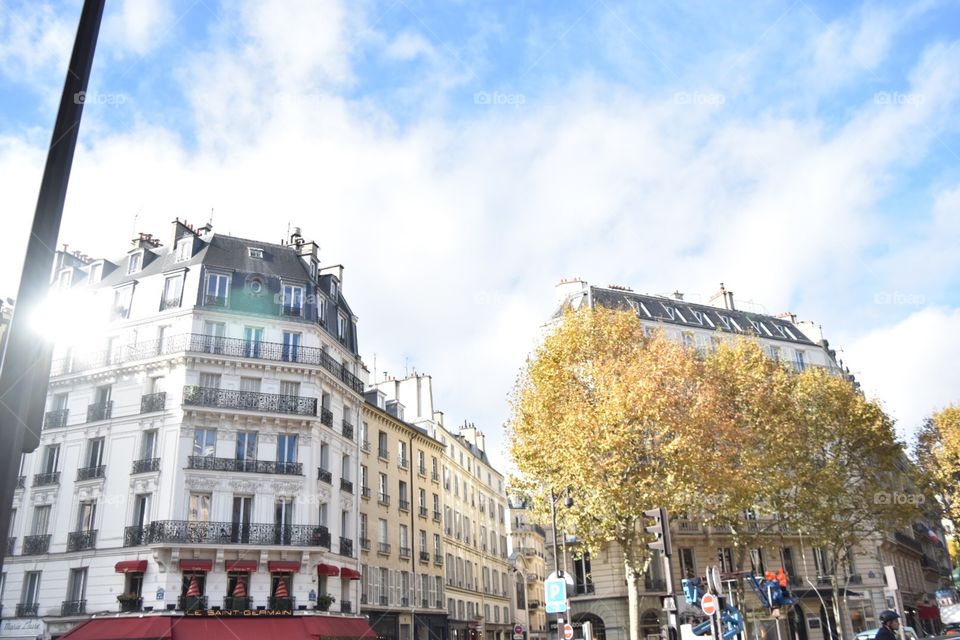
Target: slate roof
{"type": "Point", "coordinates": [694, 316]}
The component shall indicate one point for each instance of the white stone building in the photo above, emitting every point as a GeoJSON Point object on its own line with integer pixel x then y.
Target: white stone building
{"type": "Point", "coordinates": [200, 431]}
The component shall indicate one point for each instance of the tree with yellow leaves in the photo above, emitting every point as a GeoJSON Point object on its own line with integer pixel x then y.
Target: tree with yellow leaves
{"type": "Point", "coordinates": [937, 451]}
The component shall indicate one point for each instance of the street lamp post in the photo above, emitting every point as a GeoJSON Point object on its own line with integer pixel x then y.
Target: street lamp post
{"type": "Point", "coordinates": [567, 502]}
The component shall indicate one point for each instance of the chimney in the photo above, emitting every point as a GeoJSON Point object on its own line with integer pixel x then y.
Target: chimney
{"type": "Point", "coordinates": [677, 295]}
{"type": "Point", "coordinates": [567, 287]}
{"type": "Point", "coordinates": [730, 298]}
{"type": "Point", "coordinates": [481, 441]}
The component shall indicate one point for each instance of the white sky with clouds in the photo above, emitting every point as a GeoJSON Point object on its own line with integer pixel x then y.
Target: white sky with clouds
{"type": "Point", "coordinates": [459, 166]}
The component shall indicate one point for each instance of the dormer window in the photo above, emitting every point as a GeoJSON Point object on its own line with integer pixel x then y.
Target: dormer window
{"type": "Point", "coordinates": [255, 252]}
{"type": "Point", "coordinates": [64, 278]}
{"type": "Point", "coordinates": [96, 272]}
{"type": "Point", "coordinates": [333, 289]}
{"type": "Point", "coordinates": [341, 326]}
{"type": "Point", "coordinates": [136, 261]}
{"type": "Point", "coordinates": [184, 249]}
{"type": "Point", "coordinates": [313, 270]}
{"type": "Point", "coordinates": [292, 300]}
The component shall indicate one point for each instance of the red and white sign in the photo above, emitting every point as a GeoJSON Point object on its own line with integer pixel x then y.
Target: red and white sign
{"type": "Point", "coordinates": [568, 631]}
{"type": "Point", "coordinates": [709, 604]}
{"type": "Point", "coordinates": [518, 630]}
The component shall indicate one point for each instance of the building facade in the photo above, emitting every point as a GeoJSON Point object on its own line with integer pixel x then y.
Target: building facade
{"type": "Point", "coordinates": [177, 458]}
{"type": "Point", "coordinates": [527, 559]}
{"type": "Point", "coordinates": [402, 591]}
{"type": "Point", "coordinates": [600, 591]}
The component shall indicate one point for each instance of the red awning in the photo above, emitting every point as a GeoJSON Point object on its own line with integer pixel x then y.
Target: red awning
{"type": "Point", "coordinates": [196, 565]}
{"type": "Point", "coordinates": [349, 574]}
{"type": "Point", "coordinates": [328, 628]}
{"type": "Point", "coordinates": [927, 612]}
{"type": "Point", "coordinates": [241, 565]}
{"type": "Point", "coordinates": [328, 570]}
{"type": "Point", "coordinates": [188, 628]}
{"type": "Point", "coordinates": [131, 566]}
{"type": "Point", "coordinates": [140, 628]}
{"type": "Point", "coordinates": [284, 565]}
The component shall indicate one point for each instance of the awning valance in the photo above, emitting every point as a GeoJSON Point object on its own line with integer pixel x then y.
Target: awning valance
{"type": "Point", "coordinates": [328, 570]}
{"type": "Point", "coordinates": [349, 574]}
{"type": "Point", "coordinates": [240, 565]}
{"type": "Point", "coordinates": [291, 566]}
{"type": "Point", "coordinates": [217, 628]}
{"type": "Point", "coordinates": [130, 566]}
{"type": "Point", "coordinates": [196, 565]}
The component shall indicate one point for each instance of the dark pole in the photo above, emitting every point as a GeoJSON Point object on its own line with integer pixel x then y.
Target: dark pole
{"type": "Point", "coordinates": [26, 359]}
{"type": "Point", "coordinates": [556, 558]}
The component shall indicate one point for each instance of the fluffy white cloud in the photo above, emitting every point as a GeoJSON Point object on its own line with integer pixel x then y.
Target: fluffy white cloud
{"type": "Point", "coordinates": [136, 26]}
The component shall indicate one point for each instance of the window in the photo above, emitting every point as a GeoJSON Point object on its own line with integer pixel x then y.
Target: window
{"type": "Point", "coordinates": [64, 278]}
{"type": "Point", "coordinates": [801, 360]}
{"type": "Point", "coordinates": [323, 514]}
{"type": "Point", "coordinates": [341, 326]}
{"type": "Point", "coordinates": [289, 388]}
{"type": "Point", "coordinates": [775, 353]}
{"type": "Point", "coordinates": [725, 559]}
{"type": "Point", "coordinates": [216, 332]}
{"type": "Point", "coordinates": [382, 532]}
{"type": "Point", "coordinates": [383, 487]}
{"type": "Point", "coordinates": [291, 346]}
{"type": "Point", "coordinates": [364, 478]}
{"type": "Point", "coordinates": [402, 453]}
{"type": "Point", "coordinates": [250, 385]}
{"type": "Point", "coordinates": [252, 339]}
{"type": "Point", "coordinates": [96, 272]}
{"type": "Point", "coordinates": [51, 459]}
{"type": "Point", "coordinates": [41, 520]}
{"type": "Point", "coordinates": [77, 587]}
{"type": "Point", "coordinates": [821, 561]}
{"type": "Point", "coordinates": [688, 567]}
{"type": "Point", "coordinates": [210, 380]}
{"type": "Point", "coordinates": [199, 509]}
{"type": "Point", "coordinates": [283, 519]}
{"type": "Point", "coordinates": [247, 446]}
{"type": "Point", "coordinates": [172, 288]}
{"type": "Point", "coordinates": [95, 452]}
{"type": "Point", "coordinates": [122, 299]}
{"type": "Point", "coordinates": [421, 463]}
{"type": "Point", "coordinates": [184, 249]}
{"type": "Point", "coordinates": [255, 252]}
{"type": "Point", "coordinates": [136, 260]}
{"type": "Point", "coordinates": [583, 579]}
{"type": "Point", "coordinates": [382, 445]}
{"type": "Point", "coordinates": [364, 530]}
{"type": "Point", "coordinates": [786, 555]}
{"type": "Point", "coordinates": [31, 588]}
{"type": "Point", "coordinates": [402, 493]}
{"type": "Point", "coordinates": [204, 442]}
{"type": "Point", "coordinates": [292, 300]}
{"type": "Point", "coordinates": [756, 560]}
{"type": "Point", "coordinates": [404, 538]}
{"type": "Point", "coordinates": [217, 290]}
{"type": "Point", "coordinates": [141, 509]}
{"type": "Point", "coordinates": [286, 448]}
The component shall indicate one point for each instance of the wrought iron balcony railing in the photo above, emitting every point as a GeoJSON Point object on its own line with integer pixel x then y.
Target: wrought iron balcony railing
{"type": "Point", "coordinates": [191, 603]}
{"type": "Point", "coordinates": [423, 512]}
{"type": "Point", "coordinates": [55, 419]}
{"type": "Point", "coordinates": [46, 479]}
{"type": "Point", "coordinates": [11, 543]}
{"type": "Point", "coordinates": [326, 417]}
{"type": "Point", "coordinates": [27, 609]}
{"type": "Point", "coordinates": [73, 608]}
{"type": "Point", "coordinates": [404, 505]}
{"type": "Point", "coordinates": [214, 301]}
{"type": "Point", "coordinates": [346, 606]}
{"type": "Point", "coordinates": [402, 462]}
{"type": "Point", "coordinates": [206, 463]}
{"type": "Point", "coordinates": [82, 540]}
{"type": "Point", "coordinates": [365, 492]}
{"type": "Point", "coordinates": [383, 499]}
{"type": "Point", "coordinates": [436, 516]}
{"type": "Point", "coordinates": [383, 454]}
{"type": "Point", "coordinates": [185, 532]}
{"type": "Point", "coordinates": [169, 303]}
{"type": "Point", "coordinates": [233, 347]}
{"type": "Point", "coordinates": [437, 559]}
{"type": "Point", "coordinates": [91, 473]}
{"type": "Point", "coordinates": [347, 430]}
{"type": "Point", "coordinates": [650, 584]}
{"type": "Point", "coordinates": [324, 475]}
{"type": "Point", "coordinates": [248, 401]}
{"type": "Point", "coordinates": [288, 603]}
{"type": "Point", "coordinates": [424, 556]}
{"type": "Point", "coordinates": [146, 465]}
{"type": "Point", "coordinates": [21, 482]}
{"type": "Point", "coordinates": [35, 545]}
{"type": "Point", "coordinates": [365, 543]}
{"type": "Point", "coordinates": [346, 547]}
{"type": "Point", "coordinates": [153, 402]}
{"type": "Point", "coordinates": [346, 485]}
{"type": "Point", "coordinates": [129, 605]}
{"type": "Point", "coordinates": [233, 603]}
{"type": "Point", "coordinates": [434, 476]}
{"type": "Point", "coordinates": [383, 547]}
{"type": "Point", "coordinates": [365, 446]}
{"type": "Point", "coordinates": [404, 552]}
{"type": "Point", "coordinates": [99, 411]}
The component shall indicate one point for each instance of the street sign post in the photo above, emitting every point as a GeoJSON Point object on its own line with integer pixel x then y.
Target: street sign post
{"type": "Point", "coordinates": [555, 595]}
{"type": "Point", "coordinates": [709, 604]}
{"type": "Point", "coordinates": [568, 631]}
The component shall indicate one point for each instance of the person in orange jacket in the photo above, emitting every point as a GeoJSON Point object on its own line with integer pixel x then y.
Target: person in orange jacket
{"type": "Point", "coordinates": [782, 578]}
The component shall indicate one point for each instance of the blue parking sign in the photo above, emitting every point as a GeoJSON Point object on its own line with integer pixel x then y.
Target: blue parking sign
{"type": "Point", "coordinates": [555, 595]}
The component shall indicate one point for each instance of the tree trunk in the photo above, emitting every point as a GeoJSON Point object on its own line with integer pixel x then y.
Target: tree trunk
{"type": "Point", "coordinates": [835, 587]}
{"type": "Point", "coordinates": [633, 597]}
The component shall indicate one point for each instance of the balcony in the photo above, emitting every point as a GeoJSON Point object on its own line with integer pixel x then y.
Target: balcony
{"type": "Point", "coordinates": [282, 604]}
{"type": "Point", "coordinates": [35, 545]}
{"type": "Point", "coordinates": [436, 516]}
{"type": "Point", "coordinates": [586, 588]}
{"type": "Point", "coordinates": [404, 505]}
{"type": "Point", "coordinates": [384, 548]}
{"type": "Point", "coordinates": [153, 402]}
{"type": "Point", "coordinates": [384, 499]}
{"type": "Point", "coordinates": [11, 543]}
{"type": "Point", "coordinates": [533, 604]}
{"type": "Point", "coordinates": [170, 303]}
{"type": "Point", "coordinates": [423, 512]}
{"type": "Point", "coordinates": [326, 417]}
{"type": "Point", "coordinates": [908, 541]}
{"type": "Point", "coordinates": [346, 606]}
{"type": "Point", "coordinates": [365, 543]}
{"type": "Point", "coordinates": [130, 605]}
{"type": "Point", "coordinates": [146, 465]}
{"type": "Point", "coordinates": [99, 411]}
{"type": "Point", "coordinates": [214, 301]}
{"type": "Point", "coordinates": [437, 559]}
{"type": "Point", "coordinates": [403, 463]}
{"type": "Point", "coordinates": [91, 473]}
{"type": "Point", "coordinates": [424, 556]}
{"type": "Point", "coordinates": [195, 396]}
{"type": "Point", "coordinates": [383, 454]}
{"type": "Point", "coordinates": [220, 533]}
{"type": "Point", "coordinates": [346, 485]}
{"type": "Point", "coordinates": [27, 610]}
{"type": "Point", "coordinates": [191, 603]}
{"type": "Point", "coordinates": [55, 419]}
{"type": "Point", "coordinates": [404, 552]}
{"type": "Point", "coordinates": [434, 476]}
{"type": "Point", "coordinates": [205, 463]}
{"type": "Point", "coordinates": [365, 446]}
{"type": "Point", "coordinates": [346, 547]}
{"type": "Point", "coordinates": [365, 492]}
{"type": "Point", "coordinates": [73, 608]}
{"type": "Point", "coordinates": [81, 540]}
{"type": "Point", "coordinates": [324, 475]}
{"type": "Point", "coordinates": [21, 482]}
{"type": "Point", "coordinates": [654, 584]}
{"type": "Point", "coordinates": [290, 311]}
{"type": "Point", "coordinates": [46, 479]}
{"type": "Point", "coordinates": [347, 430]}
{"type": "Point", "coordinates": [233, 603]}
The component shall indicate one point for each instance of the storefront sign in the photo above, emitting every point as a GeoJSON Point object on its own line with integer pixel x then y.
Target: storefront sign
{"type": "Point", "coordinates": [21, 628]}
{"type": "Point", "coordinates": [239, 613]}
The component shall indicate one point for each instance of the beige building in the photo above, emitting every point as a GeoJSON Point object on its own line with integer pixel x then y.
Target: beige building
{"type": "Point", "coordinates": [401, 547]}
{"type": "Point", "coordinates": [527, 559]}
{"type": "Point", "coordinates": [478, 577]}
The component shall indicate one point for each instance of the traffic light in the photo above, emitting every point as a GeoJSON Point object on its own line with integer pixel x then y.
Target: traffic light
{"type": "Point", "coordinates": [660, 529]}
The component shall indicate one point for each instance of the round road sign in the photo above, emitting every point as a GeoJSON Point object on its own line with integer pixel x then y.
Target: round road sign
{"type": "Point", "coordinates": [518, 630]}
{"type": "Point", "coordinates": [568, 631]}
{"type": "Point", "coordinates": [709, 604]}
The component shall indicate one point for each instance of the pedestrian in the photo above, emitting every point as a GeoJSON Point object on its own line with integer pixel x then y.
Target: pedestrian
{"type": "Point", "coordinates": [889, 623]}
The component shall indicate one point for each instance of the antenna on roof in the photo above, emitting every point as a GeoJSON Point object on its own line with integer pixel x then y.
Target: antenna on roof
{"type": "Point", "coordinates": [135, 216]}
